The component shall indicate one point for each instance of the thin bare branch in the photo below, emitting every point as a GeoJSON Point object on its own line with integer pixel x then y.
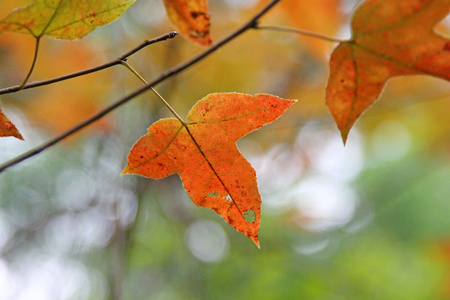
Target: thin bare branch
{"type": "Point", "coordinates": [114, 62]}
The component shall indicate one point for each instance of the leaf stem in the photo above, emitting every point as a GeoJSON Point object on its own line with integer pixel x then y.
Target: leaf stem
{"type": "Point", "coordinates": [127, 65]}
{"type": "Point", "coordinates": [155, 92]}
{"type": "Point", "coordinates": [109, 64]}
{"type": "Point", "coordinates": [36, 51]}
{"type": "Point", "coordinates": [300, 31]}
{"type": "Point", "coordinates": [169, 73]}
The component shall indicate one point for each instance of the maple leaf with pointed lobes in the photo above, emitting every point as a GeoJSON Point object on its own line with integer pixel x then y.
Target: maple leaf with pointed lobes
{"type": "Point", "coordinates": [204, 153]}
{"type": "Point", "coordinates": [390, 38]}
{"type": "Point", "coordinates": [63, 19]}
{"type": "Point", "coordinates": [191, 18]}
{"type": "Point", "coordinates": [7, 128]}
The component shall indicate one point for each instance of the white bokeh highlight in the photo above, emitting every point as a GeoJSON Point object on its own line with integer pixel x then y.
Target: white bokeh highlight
{"type": "Point", "coordinates": [207, 241]}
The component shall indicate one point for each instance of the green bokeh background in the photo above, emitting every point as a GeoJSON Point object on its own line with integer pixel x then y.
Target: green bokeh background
{"type": "Point", "coordinates": [365, 221]}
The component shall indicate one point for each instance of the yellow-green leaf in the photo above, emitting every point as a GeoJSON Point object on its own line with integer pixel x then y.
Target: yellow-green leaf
{"type": "Point", "coordinates": [63, 19]}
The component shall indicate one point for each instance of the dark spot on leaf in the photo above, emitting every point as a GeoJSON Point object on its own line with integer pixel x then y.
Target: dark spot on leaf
{"type": "Point", "coordinates": [447, 46]}
{"type": "Point", "coordinates": [196, 14]}
{"type": "Point", "coordinates": [142, 156]}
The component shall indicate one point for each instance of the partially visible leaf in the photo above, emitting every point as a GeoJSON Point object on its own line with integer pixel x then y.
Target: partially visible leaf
{"type": "Point", "coordinates": [204, 153]}
{"type": "Point", "coordinates": [7, 128]}
{"type": "Point", "coordinates": [191, 18]}
{"type": "Point", "coordinates": [390, 38]}
{"type": "Point", "coordinates": [63, 19]}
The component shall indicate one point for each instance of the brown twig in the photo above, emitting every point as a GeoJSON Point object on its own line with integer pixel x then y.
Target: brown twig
{"type": "Point", "coordinates": [114, 62]}
{"type": "Point", "coordinates": [170, 73]}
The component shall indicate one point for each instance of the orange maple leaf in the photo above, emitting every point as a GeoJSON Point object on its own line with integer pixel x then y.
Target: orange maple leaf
{"type": "Point", "coordinates": [191, 18]}
{"type": "Point", "coordinates": [203, 152]}
{"type": "Point", "coordinates": [7, 128]}
{"type": "Point", "coordinates": [390, 38]}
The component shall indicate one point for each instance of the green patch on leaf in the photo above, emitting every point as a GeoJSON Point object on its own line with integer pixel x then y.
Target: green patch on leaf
{"type": "Point", "coordinates": [249, 216]}
{"type": "Point", "coordinates": [213, 194]}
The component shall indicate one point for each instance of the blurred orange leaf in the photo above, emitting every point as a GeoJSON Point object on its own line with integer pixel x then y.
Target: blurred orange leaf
{"type": "Point", "coordinates": [321, 16]}
{"type": "Point", "coordinates": [7, 128]}
{"type": "Point", "coordinates": [62, 107]}
{"type": "Point", "coordinates": [214, 173]}
{"type": "Point", "coordinates": [390, 38]}
{"type": "Point", "coordinates": [63, 19]}
{"type": "Point", "coordinates": [191, 18]}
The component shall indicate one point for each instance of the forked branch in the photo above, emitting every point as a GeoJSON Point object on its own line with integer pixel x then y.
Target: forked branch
{"type": "Point", "coordinates": [114, 62]}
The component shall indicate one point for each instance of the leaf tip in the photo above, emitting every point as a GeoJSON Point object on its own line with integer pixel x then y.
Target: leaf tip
{"type": "Point", "coordinates": [292, 101]}
{"type": "Point", "coordinates": [15, 134]}
{"type": "Point", "coordinates": [344, 136]}
{"type": "Point", "coordinates": [7, 128]}
{"type": "Point", "coordinates": [19, 136]}
{"type": "Point", "coordinates": [255, 240]}
{"type": "Point", "coordinates": [125, 171]}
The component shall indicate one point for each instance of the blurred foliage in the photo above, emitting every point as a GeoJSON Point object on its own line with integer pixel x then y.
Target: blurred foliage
{"type": "Point", "coordinates": [365, 221]}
